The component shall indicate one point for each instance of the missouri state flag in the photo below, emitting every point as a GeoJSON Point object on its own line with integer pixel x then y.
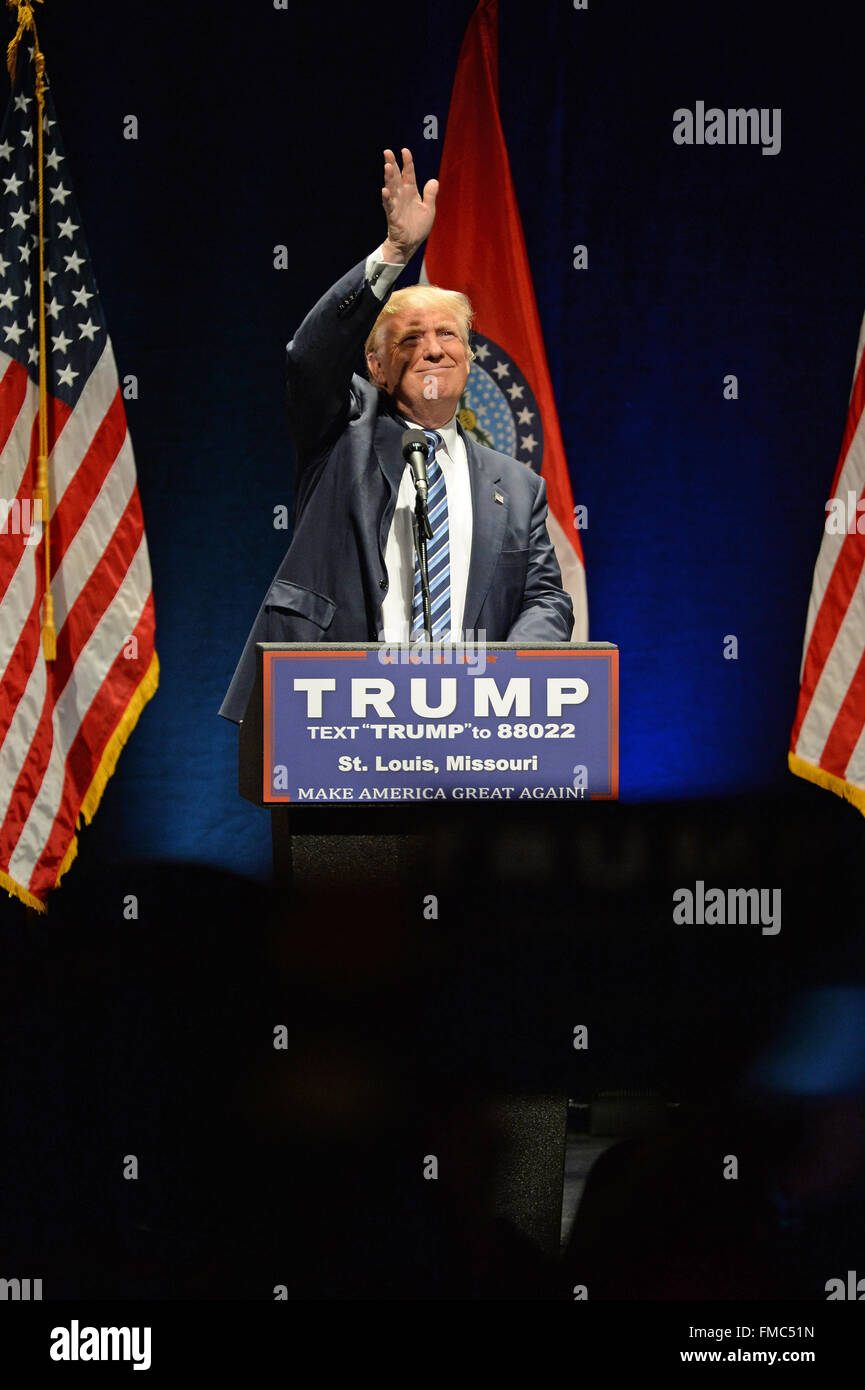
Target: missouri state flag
{"type": "Point", "coordinates": [827, 744]}
{"type": "Point", "coordinates": [73, 540]}
{"type": "Point", "coordinates": [477, 246]}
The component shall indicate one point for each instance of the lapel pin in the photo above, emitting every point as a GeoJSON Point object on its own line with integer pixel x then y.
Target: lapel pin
{"type": "Point", "coordinates": [497, 497]}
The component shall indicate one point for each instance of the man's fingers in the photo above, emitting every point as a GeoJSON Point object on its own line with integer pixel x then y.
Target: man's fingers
{"type": "Point", "coordinates": [400, 186]}
{"type": "Point", "coordinates": [407, 166]}
{"type": "Point", "coordinates": [391, 170]}
{"type": "Point", "coordinates": [392, 176]}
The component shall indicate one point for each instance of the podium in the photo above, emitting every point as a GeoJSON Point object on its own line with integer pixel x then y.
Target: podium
{"type": "Point", "coordinates": [370, 740]}
{"type": "Point", "coordinates": [375, 740]}
{"type": "Point", "coordinates": [365, 756]}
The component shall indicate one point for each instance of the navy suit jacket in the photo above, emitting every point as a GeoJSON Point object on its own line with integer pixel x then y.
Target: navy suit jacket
{"type": "Point", "coordinates": [331, 584]}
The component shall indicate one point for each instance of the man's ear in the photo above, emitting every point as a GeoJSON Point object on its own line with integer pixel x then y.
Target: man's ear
{"type": "Point", "coordinates": [374, 368]}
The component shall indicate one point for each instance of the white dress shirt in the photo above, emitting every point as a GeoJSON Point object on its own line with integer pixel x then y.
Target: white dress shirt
{"type": "Point", "coordinates": [399, 549]}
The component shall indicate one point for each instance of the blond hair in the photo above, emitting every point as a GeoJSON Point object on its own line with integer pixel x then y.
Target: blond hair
{"type": "Point", "coordinates": [424, 297]}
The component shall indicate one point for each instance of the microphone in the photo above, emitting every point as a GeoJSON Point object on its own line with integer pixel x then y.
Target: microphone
{"type": "Point", "coordinates": [415, 448]}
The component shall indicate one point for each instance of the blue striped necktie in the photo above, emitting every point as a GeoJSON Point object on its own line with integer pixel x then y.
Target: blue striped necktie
{"type": "Point", "coordinates": [438, 554]}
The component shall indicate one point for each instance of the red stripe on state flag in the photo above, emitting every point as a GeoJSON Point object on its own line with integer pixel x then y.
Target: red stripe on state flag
{"type": "Point", "coordinates": [477, 244]}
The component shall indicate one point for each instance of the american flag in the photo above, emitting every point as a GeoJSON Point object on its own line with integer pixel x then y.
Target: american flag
{"type": "Point", "coordinates": [827, 744]}
{"type": "Point", "coordinates": [63, 722]}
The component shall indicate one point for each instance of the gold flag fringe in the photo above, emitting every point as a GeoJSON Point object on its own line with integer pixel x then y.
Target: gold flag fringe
{"type": "Point", "coordinates": [818, 775]}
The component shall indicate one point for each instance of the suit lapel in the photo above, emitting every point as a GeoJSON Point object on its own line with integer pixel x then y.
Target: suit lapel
{"type": "Point", "coordinates": [388, 450]}
{"type": "Point", "coordinates": [489, 519]}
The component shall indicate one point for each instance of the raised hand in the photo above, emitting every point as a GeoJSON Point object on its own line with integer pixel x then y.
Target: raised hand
{"type": "Point", "coordinates": [409, 216]}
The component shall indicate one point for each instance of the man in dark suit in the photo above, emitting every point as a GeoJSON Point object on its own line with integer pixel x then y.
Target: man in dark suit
{"type": "Point", "coordinates": [350, 574]}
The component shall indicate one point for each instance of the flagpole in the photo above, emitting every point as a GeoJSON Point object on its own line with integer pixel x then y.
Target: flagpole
{"type": "Point", "coordinates": [41, 498]}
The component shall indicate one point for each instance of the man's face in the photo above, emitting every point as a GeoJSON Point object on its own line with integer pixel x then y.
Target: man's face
{"type": "Point", "coordinates": [422, 363]}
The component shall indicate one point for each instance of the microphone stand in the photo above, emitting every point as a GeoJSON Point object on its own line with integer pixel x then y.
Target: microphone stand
{"type": "Point", "coordinates": [422, 532]}
{"type": "Point", "coordinates": [415, 451]}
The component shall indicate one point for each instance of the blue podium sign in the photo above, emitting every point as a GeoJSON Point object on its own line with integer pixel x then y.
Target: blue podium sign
{"type": "Point", "coordinates": [463, 723]}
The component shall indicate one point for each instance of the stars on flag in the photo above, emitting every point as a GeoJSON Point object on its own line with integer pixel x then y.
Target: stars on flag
{"type": "Point", "coordinates": [501, 399]}
{"type": "Point", "coordinates": [77, 329]}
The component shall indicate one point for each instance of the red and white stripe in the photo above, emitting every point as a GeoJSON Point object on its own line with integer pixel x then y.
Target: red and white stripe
{"type": "Point", "coordinates": [59, 720]}
{"type": "Point", "coordinates": [827, 744]}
